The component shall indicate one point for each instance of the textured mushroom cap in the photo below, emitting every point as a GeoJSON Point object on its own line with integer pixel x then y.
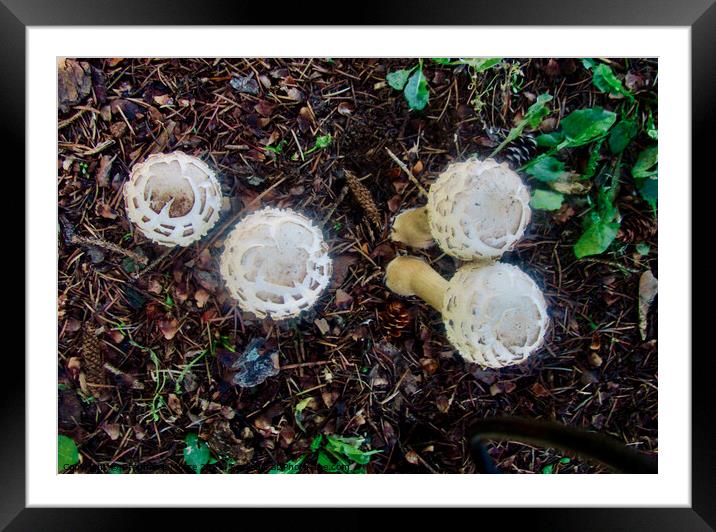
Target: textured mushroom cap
{"type": "Point", "coordinates": [173, 198]}
{"type": "Point", "coordinates": [495, 315]}
{"type": "Point", "coordinates": [478, 209]}
{"type": "Point", "coordinates": [275, 263]}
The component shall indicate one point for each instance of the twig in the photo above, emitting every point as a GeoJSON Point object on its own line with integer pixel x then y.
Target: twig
{"type": "Point", "coordinates": [160, 258]}
{"type": "Point", "coordinates": [408, 172]}
{"type": "Point", "coordinates": [102, 243]}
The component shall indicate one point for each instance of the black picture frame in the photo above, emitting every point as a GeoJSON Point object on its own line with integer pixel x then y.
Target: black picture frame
{"type": "Point", "coordinates": [699, 15]}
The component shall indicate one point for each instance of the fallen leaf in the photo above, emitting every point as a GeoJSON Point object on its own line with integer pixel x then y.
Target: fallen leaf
{"type": "Point", "coordinates": [343, 299]}
{"type": "Point", "coordinates": [253, 367]}
{"type": "Point", "coordinates": [105, 165]}
{"type": "Point", "coordinates": [245, 85]}
{"type": "Point", "coordinates": [322, 325]}
{"type": "Point", "coordinates": [647, 292]}
{"type": "Point", "coordinates": [74, 82]}
{"type": "Point", "coordinates": [201, 296]}
{"type": "Point", "coordinates": [169, 327]}
{"type": "Point", "coordinates": [174, 404]}
{"type": "Point", "coordinates": [412, 457]}
{"type": "Point", "coordinates": [112, 430]}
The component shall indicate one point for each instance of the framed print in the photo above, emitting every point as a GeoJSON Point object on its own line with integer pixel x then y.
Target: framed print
{"type": "Point", "coordinates": [411, 263]}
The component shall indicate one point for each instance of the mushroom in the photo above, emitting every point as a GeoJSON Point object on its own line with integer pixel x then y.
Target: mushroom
{"type": "Point", "coordinates": [494, 314]}
{"type": "Point", "coordinates": [476, 210]}
{"type": "Point", "coordinates": [275, 263]}
{"type": "Point", "coordinates": [173, 198]}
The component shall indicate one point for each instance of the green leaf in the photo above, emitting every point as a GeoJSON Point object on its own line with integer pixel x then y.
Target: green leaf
{"type": "Point", "coordinates": [651, 128]}
{"type": "Point", "coordinates": [398, 79]}
{"type": "Point", "coordinates": [589, 63]}
{"type": "Point", "coordinates": [548, 469]}
{"type": "Point", "coordinates": [323, 141]}
{"type": "Point", "coordinates": [644, 165]}
{"type": "Point", "coordinates": [606, 81]}
{"type": "Point", "coordinates": [643, 248]}
{"type": "Point", "coordinates": [565, 460]}
{"type": "Point", "coordinates": [546, 200]}
{"type": "Point", "coordinates": [534, 115]}
{"type": "Point", "coordinates": [196, 452]}
{"type": "Point", "coordinates": [649, 190]}
{"type": "Point", "coordinates": [349, 447]}
{"type": "Point", "coordinates": [291, 467]}
{"type": "Point", "coordinates": [550, 140]}
{"type": "Point", "coordinates": [537, 111]}
{"type": "Point", "coordinates": [585, 125]}
{"type": "Point", "coordinates": [621, 135]}
{"type": "Point", "coordinates": [480, 64]}
{"type": "Point", "coordinates": [67, 453]}
{"type": "Point", "coordinates": [316, 443]}
{"type": "Point", "coordinates": [298, 413]}
{"type": "Point", "coordinates": [546, 169]}
{"type": "Point", "coordinates": [442, 60]}
{"type": "Point", "coordinates": [416, 91]}
{"type": "Point", "coordinates": [596, 239]}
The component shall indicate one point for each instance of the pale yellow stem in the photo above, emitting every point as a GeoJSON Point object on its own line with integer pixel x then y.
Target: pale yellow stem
{"type": "Point", "coordinates": [410, 276]}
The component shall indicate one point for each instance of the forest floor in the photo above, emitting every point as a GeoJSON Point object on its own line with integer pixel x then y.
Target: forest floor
{"type": "Point", "coordinates": [145, 354]}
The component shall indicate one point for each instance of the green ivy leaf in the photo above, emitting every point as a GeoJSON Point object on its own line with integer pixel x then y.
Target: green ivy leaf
{"type": "Point", "coordinates": [546, 169]}
{"type": "Point", "coordinates": [196, 452]}
{"type": "Point", "coordinates": [398, 79]}
{"type": "Point", "coordinates": [585, 125]}
{"type": "Point", "coordinates": [621, 135]}
{"type": "Point", "coordinates": [596, 239]}
{"type": "Point", "coordinates": [546, 200]}
{"type": "Point", "coordinates": [67, 453]}
{"type": "Point", "coordinates": [416, 91]}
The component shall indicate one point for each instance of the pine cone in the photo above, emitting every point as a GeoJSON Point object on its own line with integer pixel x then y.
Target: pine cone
{"type": "Point", "coordinates": [92, 362]}
{"type": "Point", "coordinates": [518, 152]}
{"type": "Point", "coordinates": [395, 318]}
{"type": "Point", "coordinates": [637, 227]}
{"type": "Point", "coordinates": [364, 198]}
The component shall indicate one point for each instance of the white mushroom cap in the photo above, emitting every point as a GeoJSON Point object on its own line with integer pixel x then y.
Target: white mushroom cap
{"type": "Point", "coordinates": [495, 315]}
{"type": "Point", "coordinates": [173, 198]}
{"type": "Point", "coordinates": [276, 263]}
{"type": "Point", "coordinates": [478, 209]}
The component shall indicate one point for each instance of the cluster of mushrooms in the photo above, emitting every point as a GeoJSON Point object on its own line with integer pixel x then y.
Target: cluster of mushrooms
{"type": "Point", "coordinates": [493, 312]}
{"type": "Point", "coordinates": [275, 262]}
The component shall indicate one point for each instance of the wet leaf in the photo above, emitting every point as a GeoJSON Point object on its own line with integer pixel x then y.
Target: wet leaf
{"type": "Point", "coordinates": [196, 453]}
{"type": "Point", "coordinates": [398, 79]}
{"type": "Point", "coordinates": [245, 85]}
{"type": "Point", "coordinates": [621, 135]}
{"type": "Point", "coordinates": [253, 367]}
{"type": "Point", "coordinates": [67, 453]}
{"type": "Point", "coordinates": [546, 200]}
{"type": "Point", "coordinates": [416, 91]}
{"type": "Point", "coordinates": [648, 286]}
{"type": "Point", "coordinates": [546, 169]}
{"type": "Point", "coordinates": [585, 125]}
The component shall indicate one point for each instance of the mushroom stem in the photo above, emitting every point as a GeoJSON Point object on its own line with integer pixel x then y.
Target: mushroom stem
{"type": "Point", "coordinates": [410, 276]}
{"type": "Point", "coordinates": [411, 227]}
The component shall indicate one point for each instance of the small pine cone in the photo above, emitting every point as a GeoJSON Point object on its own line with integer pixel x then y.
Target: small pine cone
{"type": "Point", "coordinates": [395, 318]}
{"type": "Point", "coordinates": [92, 363]}
{"type": "Point", "coordinates": [364, 198]}
{"type": "Point", "coordinates": [637, 227]}
{"type": "Point", "coordinates": [518, 152]}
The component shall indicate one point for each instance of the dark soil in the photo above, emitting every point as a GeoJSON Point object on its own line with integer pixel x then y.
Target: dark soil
{"type": "Point", "coordinates": [375, 365]}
